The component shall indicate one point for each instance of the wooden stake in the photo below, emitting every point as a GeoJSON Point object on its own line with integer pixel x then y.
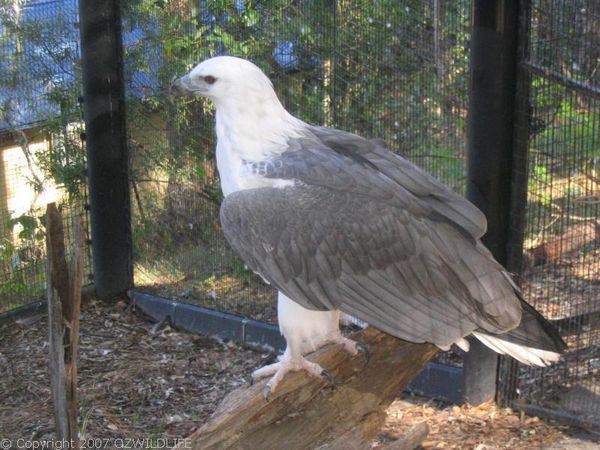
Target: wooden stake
{"type": "Point", "coordinates": [307, 413]}
{"type": "Point", "coordinates": [64, 282]}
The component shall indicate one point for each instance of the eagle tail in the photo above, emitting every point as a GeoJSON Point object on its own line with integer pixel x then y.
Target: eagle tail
{"type": "Point", "coordinates": [535, 341]}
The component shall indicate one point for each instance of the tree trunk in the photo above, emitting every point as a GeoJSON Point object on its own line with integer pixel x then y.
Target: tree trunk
{"type": "Point", "coordinates": [305, 413]}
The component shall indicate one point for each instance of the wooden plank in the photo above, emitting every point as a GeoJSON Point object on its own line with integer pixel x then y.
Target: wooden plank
{"type": "Point", "coordinates": [57, 279]}
{"type": "Point", "coordinates": [75, 284]}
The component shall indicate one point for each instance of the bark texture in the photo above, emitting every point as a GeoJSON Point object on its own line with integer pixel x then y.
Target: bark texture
{"type": "Point", "coordinates": [305, 413]}
{"type": "Point", "coordinates": [64, 284]}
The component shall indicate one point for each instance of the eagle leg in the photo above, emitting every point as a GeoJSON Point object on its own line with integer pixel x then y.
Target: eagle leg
{"type": "Point", "coordinates": [288, 364]}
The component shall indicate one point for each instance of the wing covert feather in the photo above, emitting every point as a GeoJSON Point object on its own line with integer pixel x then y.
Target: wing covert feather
{"type": "Point", "coordinates": [377, 257]}
{"type": "Point", "coordinates": [418, 182]}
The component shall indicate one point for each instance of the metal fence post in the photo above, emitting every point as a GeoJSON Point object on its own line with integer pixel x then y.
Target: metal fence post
{"type": "Point", "coordinates": [107, 158]}
{"type": "Point", "coordinates": [490, 146]}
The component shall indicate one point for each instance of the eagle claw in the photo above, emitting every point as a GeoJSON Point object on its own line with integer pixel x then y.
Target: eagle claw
{"type": "Point", "coordinates": [325, 374]}
{"type": "Point", "coordinates": [365, 352]}
{"type": "Point", "coordinates": [266, 390]}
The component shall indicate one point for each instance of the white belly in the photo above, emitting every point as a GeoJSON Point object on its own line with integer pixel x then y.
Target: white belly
{"type": "Point", "coordinates": [305, 330]}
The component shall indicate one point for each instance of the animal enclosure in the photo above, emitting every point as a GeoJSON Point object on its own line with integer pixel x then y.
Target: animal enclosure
{"type": "Point", "coordinates": [397, 71]}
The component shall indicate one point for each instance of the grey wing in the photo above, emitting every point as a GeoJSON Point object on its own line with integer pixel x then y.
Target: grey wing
{"type": "Point", "coordinates": [359, 250]}
{"type": "Point", "coordinates": [422, 185]}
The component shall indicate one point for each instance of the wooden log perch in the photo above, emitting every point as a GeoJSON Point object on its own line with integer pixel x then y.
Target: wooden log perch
{"type": "Point", "coordinates": [305, 413]}
{"type": "Point", "coordinates": [64, 282]}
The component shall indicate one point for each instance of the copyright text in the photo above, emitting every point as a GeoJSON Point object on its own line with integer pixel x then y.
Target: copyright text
{"type": "Point", "coordinates": [95, 443]}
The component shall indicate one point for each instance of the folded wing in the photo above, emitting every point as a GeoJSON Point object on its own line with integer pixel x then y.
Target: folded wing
{"type": "Point", "coordinates": [373, 237]}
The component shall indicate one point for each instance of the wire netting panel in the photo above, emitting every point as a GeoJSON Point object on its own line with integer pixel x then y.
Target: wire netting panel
{"type": "Point", "coordinates": [42, 157]}
{"type": "Point", "coordinates": [390, 70]}
{"type": "Point", "coordinates": [561, 268]}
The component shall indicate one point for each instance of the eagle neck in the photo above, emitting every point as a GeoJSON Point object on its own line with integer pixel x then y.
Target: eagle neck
{"type": "Point", "coordinates": [250, 135]}
{"type": "Point", "coordinates": [256, 132]}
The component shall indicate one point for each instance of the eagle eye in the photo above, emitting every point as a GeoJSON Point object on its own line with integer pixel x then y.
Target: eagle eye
{"type": "Point", "coordinates": [209, 79]}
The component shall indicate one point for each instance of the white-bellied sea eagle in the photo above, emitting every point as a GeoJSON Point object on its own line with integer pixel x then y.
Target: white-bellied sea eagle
{"type": "Point", "coordinates": [338, 223]}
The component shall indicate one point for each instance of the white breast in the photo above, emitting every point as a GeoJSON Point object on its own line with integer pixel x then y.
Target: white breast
{"type": "Point", "coordinates": [236, 148]}
{"type": "Point", "coordinates": [230, 168]}
{"type": "Point", "coordinates": [236, 175]}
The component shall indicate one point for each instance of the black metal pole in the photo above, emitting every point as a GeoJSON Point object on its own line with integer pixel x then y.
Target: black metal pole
{"type": "Point", "coordinates": [490, 136]}
{"type": "Point", "coordinates": [107, 159]}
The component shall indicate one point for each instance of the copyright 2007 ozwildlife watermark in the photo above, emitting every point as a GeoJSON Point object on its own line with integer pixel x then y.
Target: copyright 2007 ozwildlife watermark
{"type": "Point", "coordinates": [95, 443]}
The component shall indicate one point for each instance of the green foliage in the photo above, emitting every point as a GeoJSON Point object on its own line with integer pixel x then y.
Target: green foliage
{"type": "Point", "coordinates": [40, 63]}
{"type": "Point", "coordinates": [571, 134]}
{"type": "Point", "coordinates": [30, 227]}
{"type": "Point", "coordinates": [564, 146]}
{"type": "Point", "coordinates": [539, 181]}
{"type": "Point", "coordinates": [363, 66]}
{"type": "Point", "coordinates": [367, 67]}
{"type": "Point", "coordinates": [21, 260]}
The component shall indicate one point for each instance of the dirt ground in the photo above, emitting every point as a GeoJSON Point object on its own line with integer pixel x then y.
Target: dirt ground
{"type": "Point", "coordinates": [139, 382]}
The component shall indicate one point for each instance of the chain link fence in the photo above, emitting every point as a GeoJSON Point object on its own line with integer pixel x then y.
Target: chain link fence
{"type": "Point", "coordinates": [41, 153]}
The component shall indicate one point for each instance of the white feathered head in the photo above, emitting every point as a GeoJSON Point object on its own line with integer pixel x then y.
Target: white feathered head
{"type": "Point", "coordinates": [226, 79]}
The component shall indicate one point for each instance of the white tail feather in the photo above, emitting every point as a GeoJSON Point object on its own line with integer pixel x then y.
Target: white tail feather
{"type": "Point", "coordinates": [522, 353]}
{"type": "Point", "coordinates": [462, 343]}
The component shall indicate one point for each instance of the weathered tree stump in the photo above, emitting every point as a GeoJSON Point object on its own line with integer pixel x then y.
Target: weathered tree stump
{"type": "Point", "coordinates": [64, 282]}
{"type": "Point", "coordinates": [305, 413]}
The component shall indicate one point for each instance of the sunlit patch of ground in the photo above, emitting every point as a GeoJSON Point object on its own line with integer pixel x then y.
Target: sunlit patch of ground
{"type": "Point", "coordinates": [481, 428]}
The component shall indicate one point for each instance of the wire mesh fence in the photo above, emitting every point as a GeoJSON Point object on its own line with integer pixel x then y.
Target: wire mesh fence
{"type": "Point", "coordinates": [391, 70]}
{"type": "Point", "coordinates": [396, 71]}
{"type": "Point", "coordinates": [560, 270]}
{"type": "Point", "coordinates": [41, 153]}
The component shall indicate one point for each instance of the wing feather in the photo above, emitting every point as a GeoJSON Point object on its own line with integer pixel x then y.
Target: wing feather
{"type": "Point", "coordinates": [378, 257]}
{"type": "Point", "coordinates": [365, 231]}
{"type": "Point", "coordinates": [418, 182]}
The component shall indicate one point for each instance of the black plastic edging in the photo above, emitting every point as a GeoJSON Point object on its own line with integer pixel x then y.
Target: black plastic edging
{"type": "Point", "coordinates": [198, 319]}
{"type": "Point", "coordinates": [439, 381]}
{"type": "Point", "coordinates": [559, 415]}
{"type": "Point", "coordinates": [39, 307]}
{"type": "Point", "coordinates": [436, 380]}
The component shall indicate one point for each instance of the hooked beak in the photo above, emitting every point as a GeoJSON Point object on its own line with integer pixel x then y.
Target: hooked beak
{"type": "Point", "coordinates": [180, 87]}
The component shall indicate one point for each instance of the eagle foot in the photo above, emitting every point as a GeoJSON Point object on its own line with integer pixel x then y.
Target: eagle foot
{"type": "Point", "coordinates": [353, 347]}
{"type": "Point", "coordinates": [279, 369]}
